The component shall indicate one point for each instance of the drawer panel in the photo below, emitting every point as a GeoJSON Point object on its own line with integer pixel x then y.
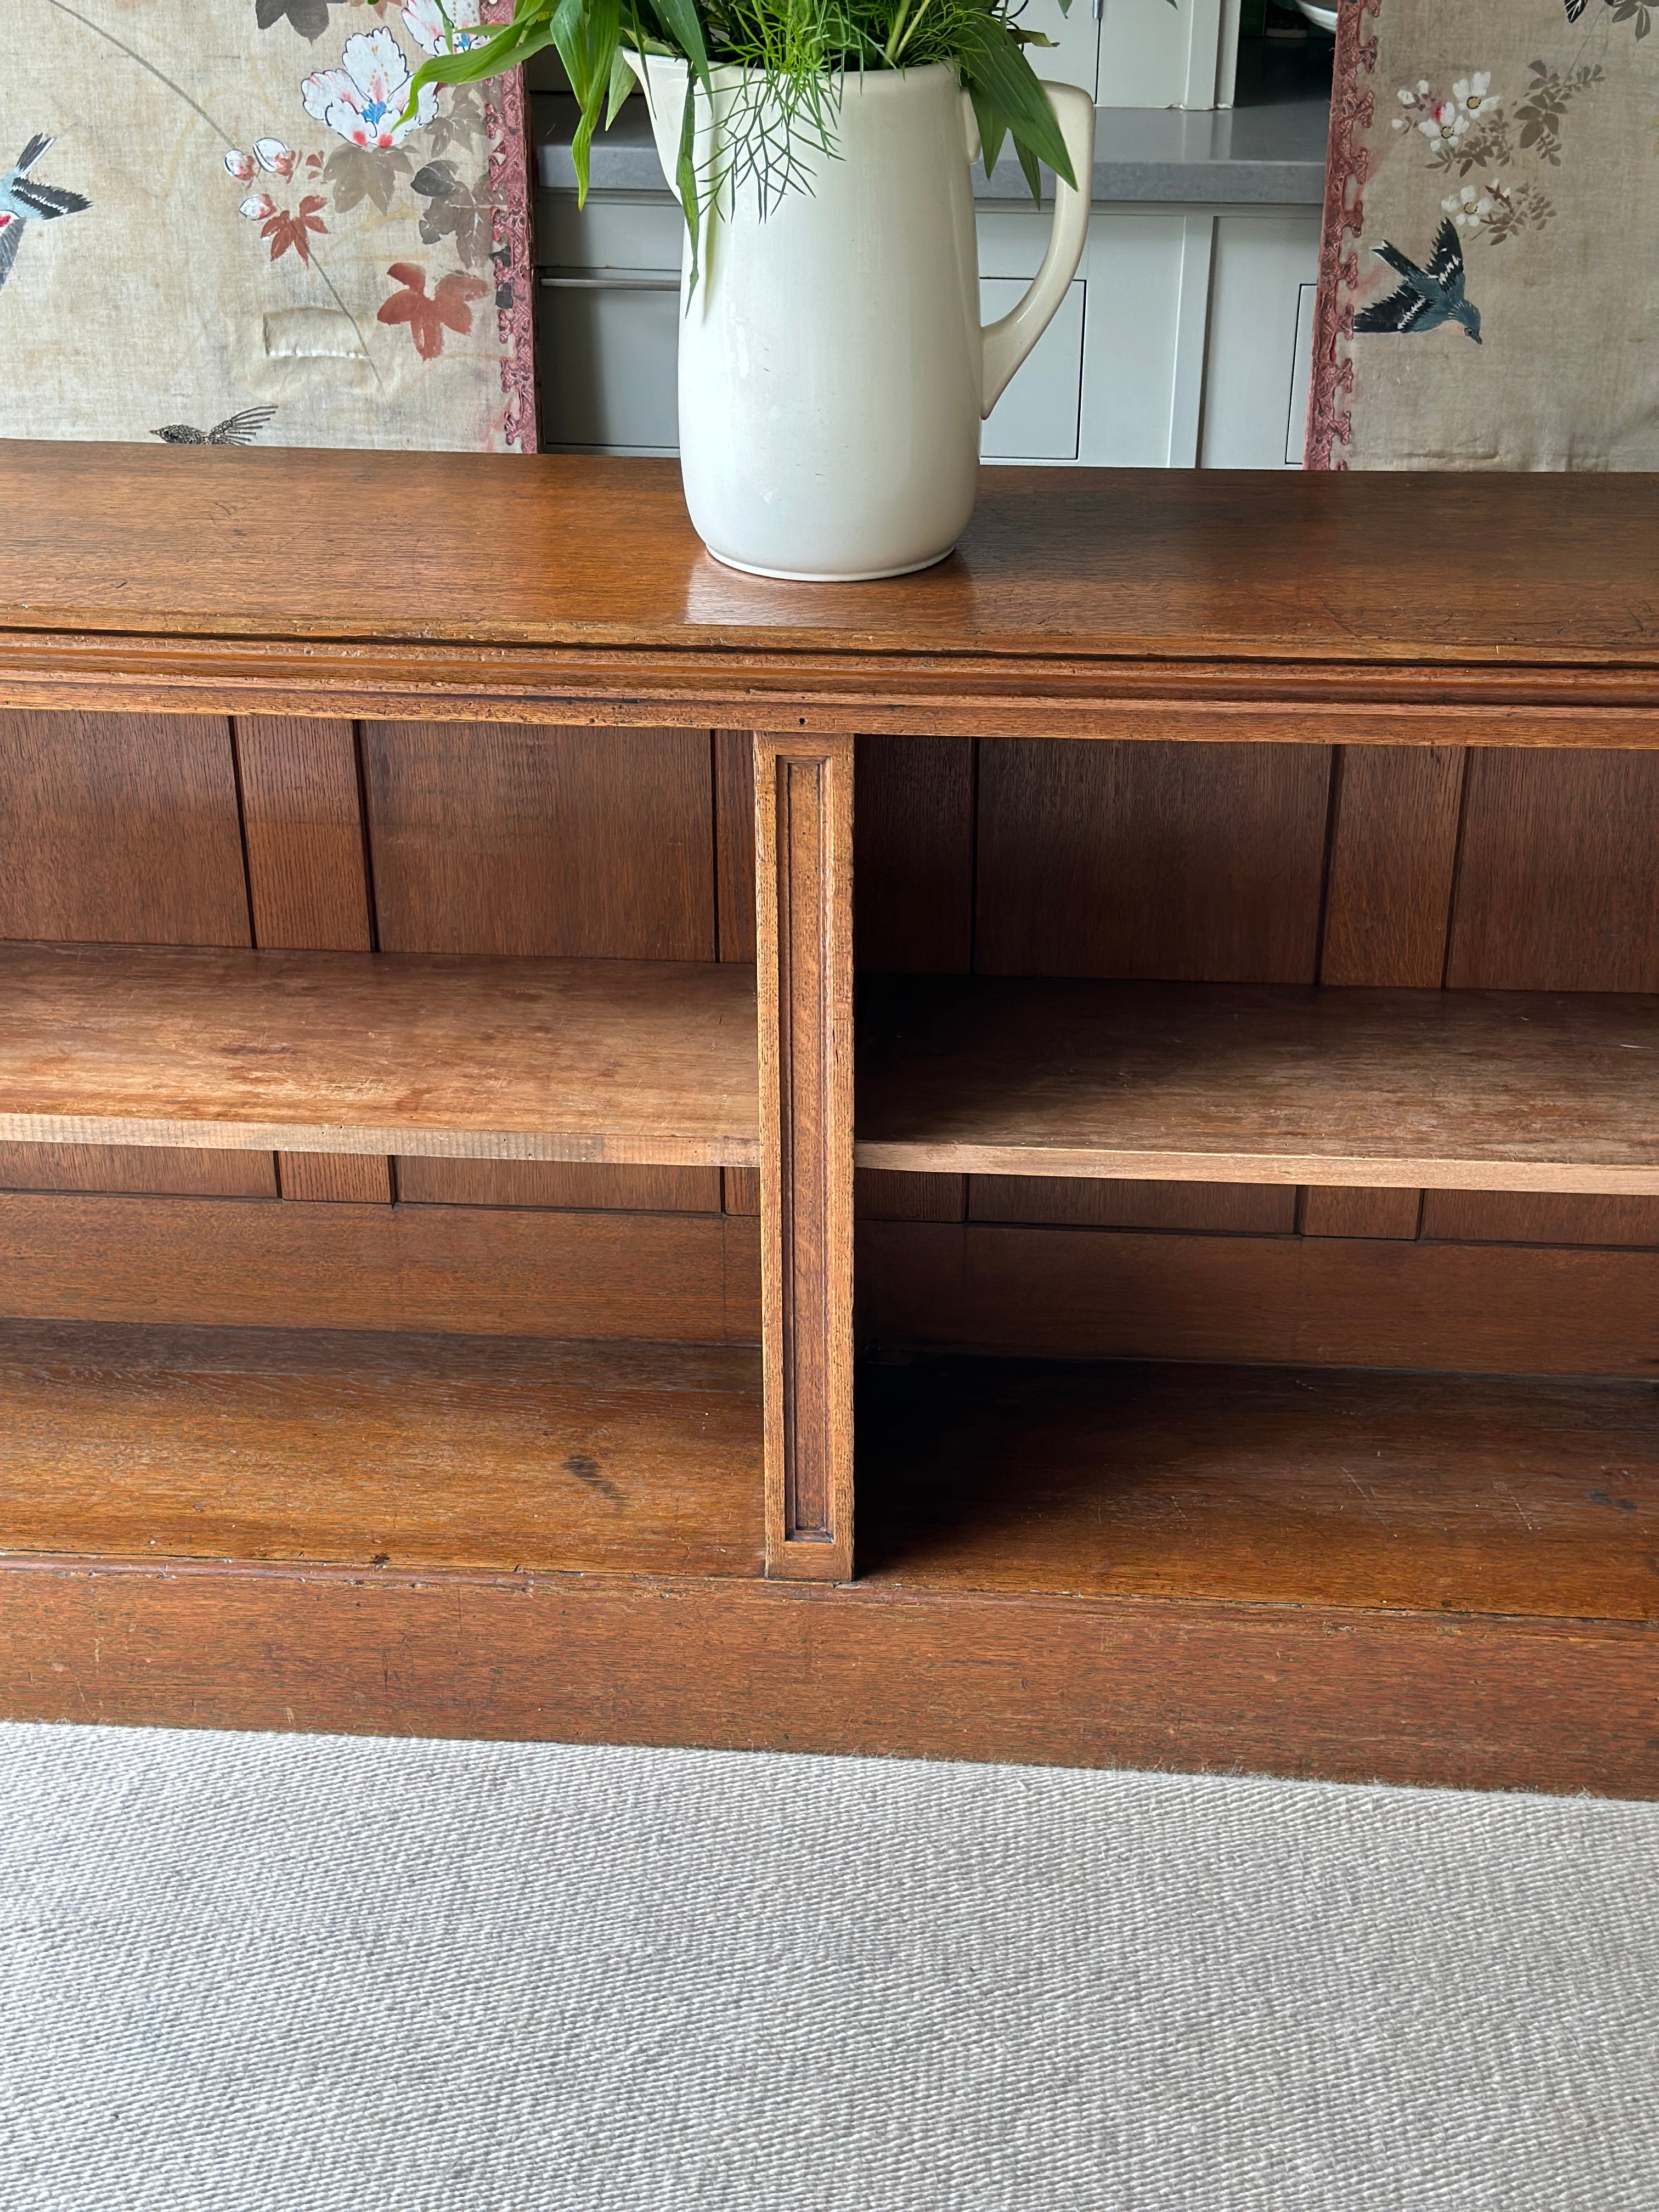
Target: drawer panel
{"type": "Point", "coordinates": [1036, 417]}
{"type": "Point", "coordinates": [610, 351]}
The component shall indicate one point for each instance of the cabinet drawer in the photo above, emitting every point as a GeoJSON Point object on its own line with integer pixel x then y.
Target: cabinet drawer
{"type": "Point", "coordinates": [615, 230]}
{"type": "Point", "coordinates": [1036, 417]}
{"type": "Point", "coordinates": [609, 341]}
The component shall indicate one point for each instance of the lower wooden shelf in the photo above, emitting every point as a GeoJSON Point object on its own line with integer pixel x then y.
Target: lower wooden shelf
{"type": "Point", "coordinates": [253, 1447]}
{"type": "Point", "coordinates": [1360, 1575]}
{"type": "Point", "coordinates": [1319, 1487]}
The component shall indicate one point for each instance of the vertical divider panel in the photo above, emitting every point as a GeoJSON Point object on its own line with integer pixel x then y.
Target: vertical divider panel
{"type": "Point", "coordinates": [307, 879]}
{"type": "Point", "coordinates": [804, 942]}
{"type": "Point", "coordinates": [735, 900]}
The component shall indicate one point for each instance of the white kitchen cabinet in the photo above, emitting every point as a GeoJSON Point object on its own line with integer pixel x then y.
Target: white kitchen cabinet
{"type": "Point", "coordinates": [1074, 57]}
{"type": "Point", "coordinates": [1139, 53]}
{"type": "Point", "coordinates": [608, 346]}
{"type": "Point", "coordinates": [1036, 417]}
{"type": "Point", "coordinates": [1259, 345]}
{"type": "Point", "coordinates": [1153, 55]}
{"type": "Point", "coordinates": [1184, 338]}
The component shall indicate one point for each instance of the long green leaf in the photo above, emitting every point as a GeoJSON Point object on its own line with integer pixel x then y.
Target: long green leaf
{"type": "Point", "coordinates": [992, 128]}
{"type": "Point", "coordinates": [1004, 85]}
{"type": "Point", "coordinates": [586, 33]}
{"type": "Point", "coordinates": [623, 82]}
{"type": "Point", "coordinates": [685, 173]}
{"type": "Point", "coordinates": [515, 42]}
{"type": "Point", "coordinates": [683, 26]}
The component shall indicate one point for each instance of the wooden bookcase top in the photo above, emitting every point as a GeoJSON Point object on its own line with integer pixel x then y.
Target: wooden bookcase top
{"type": "Point", "coordinates": [576, 586]}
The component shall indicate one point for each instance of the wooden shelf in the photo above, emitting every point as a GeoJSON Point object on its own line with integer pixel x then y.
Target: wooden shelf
{"type": "Point", "coordinates": [373, 1451]}
{"type": "Point", "coordinates": [1440, 1090]}
{"type": "Point", "coordinates": [1317, 1488]}
{"type": "Point", "coordinates": [618, 1060]}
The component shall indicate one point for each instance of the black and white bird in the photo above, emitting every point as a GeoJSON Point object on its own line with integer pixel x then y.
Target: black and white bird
{"type": "Point", "coordinates": [236, 430]}
{"type": "Point", "coordinates": [1429, 297]}
{"type": "Point", "coordinates": [24, 200]}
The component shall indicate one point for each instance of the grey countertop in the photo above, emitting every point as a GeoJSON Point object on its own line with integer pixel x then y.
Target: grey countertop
{"type": "Point", "coordinates": [1268, 151]}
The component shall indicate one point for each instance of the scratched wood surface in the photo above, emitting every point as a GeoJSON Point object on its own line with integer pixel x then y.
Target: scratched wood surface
{"type": "Point", "coordinates": [735, 1664]}
{"type": "Point", "coordinates": [1279, 1486]}
{"type": "Point", "coordinates": [369, 1450]}
{"type": "Point", "coordinates": [1224, 1082]}
{"type": "Point", "coordinates": [358, 1052]}
{"type": "Point", "coordinates": [1121, 561]}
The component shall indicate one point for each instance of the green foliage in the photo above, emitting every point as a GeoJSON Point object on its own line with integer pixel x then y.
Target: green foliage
{"type": "Point", "coordinates": [797, 52]}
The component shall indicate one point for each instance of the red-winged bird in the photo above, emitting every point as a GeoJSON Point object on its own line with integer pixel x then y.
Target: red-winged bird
{"type": "Point", "coordinates": [23, 201]}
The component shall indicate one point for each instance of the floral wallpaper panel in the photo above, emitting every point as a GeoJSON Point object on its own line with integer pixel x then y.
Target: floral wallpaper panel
{"type": "Point", "coordinates": [1491, 228]}
{"type": "Point", "coordinates": [217, 227]}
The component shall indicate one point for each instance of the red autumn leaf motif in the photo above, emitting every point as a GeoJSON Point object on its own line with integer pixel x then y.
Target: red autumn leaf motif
{"type": "Point", "coordinates": [284, 229]}
{"type": "Point", "coordinates": [448, 308]}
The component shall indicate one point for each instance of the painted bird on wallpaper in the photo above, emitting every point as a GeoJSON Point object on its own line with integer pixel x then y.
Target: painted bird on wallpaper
{"type": "Point", "coordinates": [1429, 296]}
{"type": "Point", "coordinates": [236, 430]}
{"type": "Point", "coordinates": [24, 200]}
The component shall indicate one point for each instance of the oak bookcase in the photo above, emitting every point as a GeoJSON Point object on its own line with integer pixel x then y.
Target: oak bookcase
{"type": "Point", "coordinates": [446, 1224]}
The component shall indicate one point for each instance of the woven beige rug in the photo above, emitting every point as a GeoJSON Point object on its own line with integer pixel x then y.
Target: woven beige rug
{"type": "Point", "coordinates": [289, 1974]}
{"type": "Point", "coordinates": [1489, 281]}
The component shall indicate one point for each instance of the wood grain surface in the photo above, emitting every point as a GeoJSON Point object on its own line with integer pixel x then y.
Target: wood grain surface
{"type": "Point", "coordinates": [916, 841]}
{"type": "Point", "coordinates": [1390, 878]}
{"type": "Point", "coordinates": [123, 828]}
{"type": "Point", "coordinates": [734, 1664]}
{"type": "Point", "coordinates": [408, 1450]}
{"type": "Point", "coordinates": [1374, 1302]}
{"type": "Point", "coordinates": [1456, 1090]}
{"type": "Point", "coordinates": [549, 844]}
{"type": "Point", "coordinates": [1434, 1571]}
{"type": "Point", "coordinates": [467, 1271]}
{"type": "Point", "coordinates": [1179, 861]}
{"type": "Point", "coordinates": [1150, 603]}
{"type": "Point", "coordinates": [1391, 866]}
{"type": "Point", "coordinates": [369, 1053]}
{"type": "Point", "coordinates": [307, 881]}
{"type": "Point", "coordinates": [1108, 561]}
{"type": "Point", "coordinates": [1557, 889]}
{"type": "Point", "coordinates": [1308, 1487]}
{"type": "Point", "coordinates": [804, 815]}
{"type": "Point", "coordinates": [1128, 859]}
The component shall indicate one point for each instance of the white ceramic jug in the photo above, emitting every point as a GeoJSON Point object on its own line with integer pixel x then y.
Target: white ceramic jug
{"type": "Point", "coordinates": [833, 371]}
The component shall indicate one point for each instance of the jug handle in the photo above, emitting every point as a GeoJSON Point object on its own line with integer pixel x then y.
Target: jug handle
{"type": "Point", "coordinates": [1005, 344]}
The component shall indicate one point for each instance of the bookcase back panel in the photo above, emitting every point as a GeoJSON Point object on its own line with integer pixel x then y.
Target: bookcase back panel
{"type": "Point", "coordinates": [123, 830]}
{"type": "Point", "coordinates": [1287, 863]}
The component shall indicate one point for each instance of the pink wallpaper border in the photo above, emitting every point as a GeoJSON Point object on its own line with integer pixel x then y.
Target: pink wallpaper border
{"type": "Point", "coordinates": [1348, 167]}
{"type": "Point", "coordinates": [507, 110]}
